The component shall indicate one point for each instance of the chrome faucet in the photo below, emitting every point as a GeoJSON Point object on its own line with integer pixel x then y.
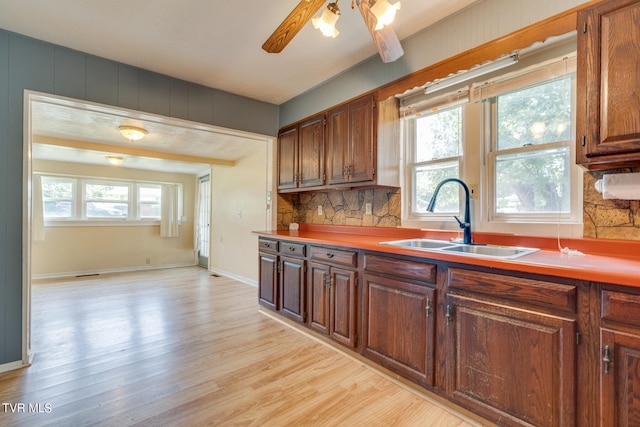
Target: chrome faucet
{"type": "Point", "coordinates": [466, 224]}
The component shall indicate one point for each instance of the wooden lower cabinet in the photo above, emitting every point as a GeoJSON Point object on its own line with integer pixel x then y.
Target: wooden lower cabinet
{"type": "Point", "coordinates": [513, 366]}
{"type": "Point", "coordinates": [293, 288]}
{"type": "Point", "coordinates": [507, 359]}
{"type": "Point", "coordinates": [332, 302]}
{"type": "Point", "coordinates": [268, 283]}
{"type": "Point", "coordinates": [398, 326]}
{"type": "Point", "coordinates": [619, 351]}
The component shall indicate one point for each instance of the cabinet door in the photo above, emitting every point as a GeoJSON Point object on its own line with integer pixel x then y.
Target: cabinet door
{"type": "Point", "coordinates": [343, 306]}
{"type": "Point", "coordinates": [608, 82]}
{"type": "Point", "coordinates": [318, 302]}
{"type": "Point", "coordinates": [398, 329]}
{"type": "Point", "coordinates": [311, 152]}
{"type": "Point", "coordinates": [292, 288]}
{"type": "Point", "coordinates": [360, 166]}
{"type": "Point", "coordinates": [288, 159]}
{"type": "Point", "coordinates": [515, 366]}
{"type": "Point", "coordinates": [619, 379]}
{"type": "Point", "coordinates": [337, 145]}
{"type": "Point", "coordinates": [268, 284]}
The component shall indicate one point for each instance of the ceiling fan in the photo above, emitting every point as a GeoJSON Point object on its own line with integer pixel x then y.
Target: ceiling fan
{"type": "Point", "coordinates": [383, 35]}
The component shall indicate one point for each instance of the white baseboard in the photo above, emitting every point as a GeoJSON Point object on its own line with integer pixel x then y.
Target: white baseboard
{"type": "Point", "coordinates": [109, 270]}
{"type": "Point", "coordinates": [12, 366]}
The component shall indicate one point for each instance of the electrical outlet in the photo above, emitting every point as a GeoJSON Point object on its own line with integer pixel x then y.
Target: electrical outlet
{"type": "Point", "coordinates": [147, 261]}
{"type": "Point", "coordinates": [367, 208]}
{"type": "Point", "coordinates": [319, 210]}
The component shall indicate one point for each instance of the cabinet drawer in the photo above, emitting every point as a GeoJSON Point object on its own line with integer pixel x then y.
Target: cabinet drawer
{"type": "Point", "coordinates": [335, 256]}
{"type": "Point", "coordinates": [533, 292]}
{"type": "Point", "coordinates": [400, 268]}
{"type": "Point", "coordinates": [267, 245]}
{"type": "Point", "coordinates": [621, 307]}
{"type": "Point", "coordinates": [292, 249]}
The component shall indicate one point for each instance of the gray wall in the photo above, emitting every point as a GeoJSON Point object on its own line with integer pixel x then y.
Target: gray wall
{"type": "Point", "coordinates": [26, 63]}
{"type": "Point", "coordinates": [478, 24]}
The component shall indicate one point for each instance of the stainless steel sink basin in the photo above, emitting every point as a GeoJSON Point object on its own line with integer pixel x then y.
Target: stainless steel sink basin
{"type": "Point", "coordinates": [420, 243]}
{"type": "Point", "coordinates": [504, 252]}
{"type": "Point", "coordinates": [487, 251]}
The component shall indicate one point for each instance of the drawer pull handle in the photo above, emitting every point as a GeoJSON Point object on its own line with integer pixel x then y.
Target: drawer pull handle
{"type": "Point", "coordinates": [267, 245]}
{"type": "Point", "coordinates": [606, 359]}
{"type": "Point", "coordinates": [330, 255]}
{"type": "Point", "coordinates": [292, 248]}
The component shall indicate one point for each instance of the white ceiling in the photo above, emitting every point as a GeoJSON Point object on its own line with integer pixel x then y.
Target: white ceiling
{"type": "Point", "coordinates": [210, 42]}
{"type": "Point", "coordinates": [213, 42]}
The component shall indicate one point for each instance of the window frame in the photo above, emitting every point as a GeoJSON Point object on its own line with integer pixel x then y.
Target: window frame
{"type": "Point", "coordinates": [78, 204]}
{"type": "Point", "coordinates": [446, 102]}
{"type": "Point", "coordinates": [520, 81]}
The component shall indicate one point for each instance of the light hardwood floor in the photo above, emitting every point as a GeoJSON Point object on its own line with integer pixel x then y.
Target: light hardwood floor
{"type": "Point", "coordinates": [182, 347]}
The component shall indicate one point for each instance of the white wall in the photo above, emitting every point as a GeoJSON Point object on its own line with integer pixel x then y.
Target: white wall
{"type": "Point", "coordinates": [239, 206]}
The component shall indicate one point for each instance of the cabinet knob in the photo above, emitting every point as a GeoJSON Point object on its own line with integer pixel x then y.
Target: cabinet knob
{"type": "Point", "coordinates": [330, 255]}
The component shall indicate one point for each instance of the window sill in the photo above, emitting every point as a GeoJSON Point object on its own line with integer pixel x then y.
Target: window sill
{"type": "Point", "coordinates": [101, 223]}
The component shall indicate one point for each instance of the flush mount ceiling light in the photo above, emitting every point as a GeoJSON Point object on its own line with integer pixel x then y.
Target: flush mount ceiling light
{"type": "Point", "coordinates": [327, 22]}
{"type": "Point", "coordinates": [384, 12]}
{"type": "Point", "coordinates": [132, 133]}
{"type": "Point", "coordinates": [115, 160]}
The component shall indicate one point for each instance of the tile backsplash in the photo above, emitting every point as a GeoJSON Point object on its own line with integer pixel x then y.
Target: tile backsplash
{"type": "Point", "coordinates": [609, 219]}
{"type": "Point", "coordinates": [348, 207]}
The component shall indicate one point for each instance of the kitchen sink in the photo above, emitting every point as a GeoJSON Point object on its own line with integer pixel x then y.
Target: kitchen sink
{"type": "Point", "coordinates": [420, 243]}
{"type": "Point", "coordinates": [504, 252]}
{"type": "Point", "coordinates": [486, 251]}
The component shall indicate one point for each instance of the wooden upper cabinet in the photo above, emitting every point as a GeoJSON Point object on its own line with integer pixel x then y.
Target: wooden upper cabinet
{"type": "Point", "coordinates": [301, 155]}
{"type": "Point", "coordinates": [351, 141]}
{"type": "Point", "coordinates": [608, 81]}
{"type": "Point", "coordinates": [288, 158]}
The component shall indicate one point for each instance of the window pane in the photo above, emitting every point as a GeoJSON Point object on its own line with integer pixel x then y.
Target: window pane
{"type": "Point", "coordinates": [426, 179]}
{"type": "Point", "coordinates": [533, 182]}
{"type": "Point", "coordinates": [57, 189]}
{"type": "Point", "coordinates": [57, 209]}
{"type": "Point", "coordinates": [107, 210]}
{"type": "Point", "coordinates": [439, 135]}
{"type": "Point", "coordinates": [149, 197]}
{"type": "Point", "coordinates": [106, 192]}
{"type": "Point", "coordinates": [535, 115]}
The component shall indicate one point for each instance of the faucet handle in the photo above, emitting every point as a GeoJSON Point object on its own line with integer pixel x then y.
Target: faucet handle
{"type": "Point", "coordinates": [461, 223]}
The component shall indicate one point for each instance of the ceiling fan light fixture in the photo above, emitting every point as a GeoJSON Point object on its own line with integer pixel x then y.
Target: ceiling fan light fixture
{"type": "Point", "coordinates": [115, 160]}
{"type": "Point", "coordinates": [326, 23]}
{"type": "Point", "coordinates": [132, 133]}
{"type": "Point", "coordinates": [384, 12]}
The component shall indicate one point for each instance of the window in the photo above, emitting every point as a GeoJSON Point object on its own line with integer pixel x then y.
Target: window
{"type": "Point", "coordinates": [509, 137]}
{"type": "Point", "coordinates": [81, 199]}
{"type": "Point", "coordinates": [434, 153]}
{"type": "Point", "coordinates": [105, 200]}
{"type": "Point", "coordinates": [529, 157]}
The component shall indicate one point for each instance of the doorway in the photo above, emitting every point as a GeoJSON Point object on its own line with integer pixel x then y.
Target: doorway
{"type": "Point", "coordinates": [45, 113]}
{"type": "Point", "coordinates": [204, 220]}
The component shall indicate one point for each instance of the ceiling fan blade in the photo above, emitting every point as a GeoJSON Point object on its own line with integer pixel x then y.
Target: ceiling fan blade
{"type": "Point", "coordinates": [292, 24]}
{"type": "Point", "coordinates": [386, 40]}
